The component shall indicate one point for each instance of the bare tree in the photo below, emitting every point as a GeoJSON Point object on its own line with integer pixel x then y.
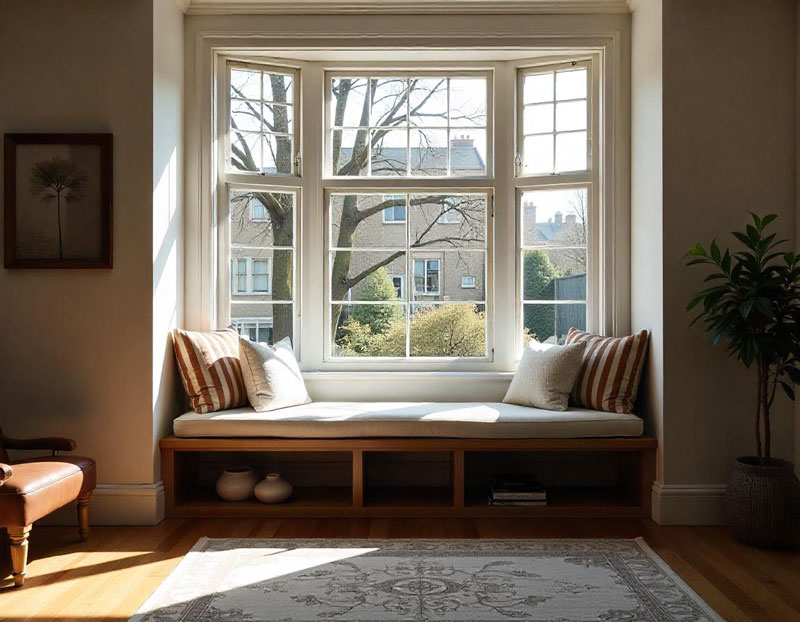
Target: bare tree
{"type": "Point", "coordinates": [399, 102]}
{"type": "Point", "coordinates": [574, 234]}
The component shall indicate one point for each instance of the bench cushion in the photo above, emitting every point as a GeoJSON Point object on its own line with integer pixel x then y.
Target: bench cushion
{"type": "Point", "coordinates": [408, 419]}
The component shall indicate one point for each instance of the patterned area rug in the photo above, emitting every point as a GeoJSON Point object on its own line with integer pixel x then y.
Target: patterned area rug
{"type": "Point", "coordinates": [238, 580]}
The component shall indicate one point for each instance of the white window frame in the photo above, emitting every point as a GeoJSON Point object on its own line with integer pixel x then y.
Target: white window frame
{"type": "Point", "coordinates": [472, 281]}
{"type": "Point", "coordinates": [597, 312]}
{"type": "Point", "coordinates": [205, 227]}
{"type": "Point", "coordinates": [249, 275]}
{"type": "Point", "coordinates": [254, 218]}
{"type": "Point", "coordinates": [258, 323]}
{"type": "Point", "coordinates": [393, 222]}
{"type": "Point", "coordinates": [425, 261]}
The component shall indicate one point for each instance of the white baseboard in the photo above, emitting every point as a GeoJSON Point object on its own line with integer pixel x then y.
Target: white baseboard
{"type": "Point", "coordinates": [688, 504]}
{"type": "Point", "coordinates": [117, 504]}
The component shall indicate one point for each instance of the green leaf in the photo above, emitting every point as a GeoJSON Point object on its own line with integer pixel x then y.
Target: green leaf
{"type": "Point", "coordinates": [715, 252]}
{"type": "Point", "coordinates": [726, 262]}
{"type": "Point", "coordinates": [768, 219]}
{"type": "Point", "coordinates": [746, 307]}
{"type": "Point", "coordinates": [788, 390]}
{"type": "Point", "coordinates": [793, 373]}
{"type": "Point", "coordinates": [697, 249]}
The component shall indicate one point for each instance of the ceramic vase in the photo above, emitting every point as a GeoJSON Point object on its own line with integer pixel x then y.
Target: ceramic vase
{"type": "Point", "coordinates": [236, 483]}
{"type": "Point", "coordinates": [273, 489]}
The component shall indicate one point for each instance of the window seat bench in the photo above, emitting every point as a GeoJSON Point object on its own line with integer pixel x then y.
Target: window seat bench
{"type": "Point", "coordinates": [411, 459]}
{"type": "Point", "coordinates": [486, 420]}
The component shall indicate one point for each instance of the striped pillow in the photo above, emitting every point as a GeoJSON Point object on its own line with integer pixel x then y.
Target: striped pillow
{"type": "Point", "coordinates": [210, 369]}
{"type": "Point", "coordinates": [610, 372]}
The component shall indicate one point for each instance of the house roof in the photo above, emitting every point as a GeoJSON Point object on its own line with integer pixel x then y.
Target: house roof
{"type": "Point", "coordinates": [463, 159]}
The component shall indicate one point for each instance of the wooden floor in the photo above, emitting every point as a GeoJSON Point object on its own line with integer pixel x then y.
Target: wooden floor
{"type": "Point", "coordinates": [109, 577]}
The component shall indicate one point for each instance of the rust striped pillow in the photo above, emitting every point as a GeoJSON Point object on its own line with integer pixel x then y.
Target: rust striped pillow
{"type": "Point", "coordinates": [610, 371]}
{"type": "Point", "coordinates": [210, 369]}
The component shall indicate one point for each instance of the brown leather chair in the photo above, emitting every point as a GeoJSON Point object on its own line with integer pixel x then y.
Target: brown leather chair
{"type": "Point", "coordinates": [32, 488]}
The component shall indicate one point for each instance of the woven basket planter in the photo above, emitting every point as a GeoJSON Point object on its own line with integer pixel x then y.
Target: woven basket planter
{"type": "Point", "coordinates": [762, 503]}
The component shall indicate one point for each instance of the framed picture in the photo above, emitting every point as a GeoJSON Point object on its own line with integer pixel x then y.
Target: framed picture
{"type": "Point", "coordinates": [58, 200]}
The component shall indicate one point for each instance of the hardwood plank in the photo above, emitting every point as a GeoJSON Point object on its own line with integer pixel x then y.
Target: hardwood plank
{"type": "Point", "coordinates": [110, 576]}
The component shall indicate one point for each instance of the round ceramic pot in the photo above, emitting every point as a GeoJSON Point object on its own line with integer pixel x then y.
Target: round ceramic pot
{"type": "Point", "coordinates": [236, 483]}
{"type": "Point", "coordinates": [273, 489]}
{"type": "Point", "coordinates": [762, 502]}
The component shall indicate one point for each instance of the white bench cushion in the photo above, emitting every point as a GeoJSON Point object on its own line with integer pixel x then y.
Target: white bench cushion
{"type": "Point", "coordinates": [408, 419]}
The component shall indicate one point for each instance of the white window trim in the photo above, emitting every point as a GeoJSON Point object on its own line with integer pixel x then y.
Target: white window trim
{"type": "Point", "coordinates": [249, 277]}
{"type": "Point", "coordinates": [468, 276]}
{"type": "Point", "coordinates": [391, 222]}
{"type": "Point", "coordinates": [425, 261]}
{"type": "Point", "coordinates": [402, 278]}
{"type": "Point", "coordinates": [202, 224]}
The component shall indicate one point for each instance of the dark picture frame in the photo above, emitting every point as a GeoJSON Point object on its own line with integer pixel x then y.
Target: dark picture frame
{"type": "Point", "coordinates": [71, 184]}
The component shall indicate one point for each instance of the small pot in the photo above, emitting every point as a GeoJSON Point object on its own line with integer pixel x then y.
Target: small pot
{"type": "Point", "coordinates": [236, 483]}
{"type": "Point", "coordinates": [273, 489]}
{"type": "Point", "coordinates": [762, 503]}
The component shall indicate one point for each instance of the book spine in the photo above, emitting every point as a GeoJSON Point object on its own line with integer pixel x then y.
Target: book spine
{"type": "Point", "coordinates": [525, 496]}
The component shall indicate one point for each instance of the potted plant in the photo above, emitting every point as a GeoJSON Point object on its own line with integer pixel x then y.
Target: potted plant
{"type": "Point", "coordinates": [752, 303]}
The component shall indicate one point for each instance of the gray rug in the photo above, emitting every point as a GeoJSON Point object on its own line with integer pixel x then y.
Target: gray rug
{"type": "Point", "coordinates": [237, 580]}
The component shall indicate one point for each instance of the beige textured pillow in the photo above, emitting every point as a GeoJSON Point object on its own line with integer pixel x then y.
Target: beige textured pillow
{"type": "Point", "coordinates": [271, 375]}
{"type": "Point", "coordinates": [545, 376]}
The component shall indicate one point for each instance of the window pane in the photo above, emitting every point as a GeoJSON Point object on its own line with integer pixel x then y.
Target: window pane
{"type": "Point", "coordinates": [468, 102]}
{"type": "Point", "coordinates": [538, 154]}
{"type": "Point", "coordinates": [389, 153]}
{"type": "Point", "coordinates": [538, 88]}
{"type": "Point", "coordinates": [448, 330]}
{"type": "Point", "coordinates": [262, 121]}
{"type": "Point", "coordinates": [349, 103]}
{"type": "Point", "coordinates": [278, 155]}
{"type": "Point", "coordinates": [356, 220]}
{"type": "Point", "coordinates": [246, 151]}
{"type": "Point", "coordinates": [429, 152]}
{"type": "Point", "coordinates": [271, 274]}
{"type": "Point", "coordinates": [571, 84]}
{"type": "Point", "coordinates": [267, 323]}
{"type": "Point", "coordinates": [428, 102]}
{"type": "Point", "coordinates": [246, 115]}
{"type": "Point", "coordinates": [278, 88]}
{"type": "Point", "coordinates": [252, 223]}
{"type": "Point", "coordinates": [440, 276]}
{"type": "Point", "coordinates": [571, 116]}
{"type": "Point", "coordinates": [549, 323]}
{"type": "Point", "coordinates": [389, 101]}
{"type": "Point", "coordinates": [554, 274]}
{"type": "Point", "coordinates": [538, 118]}
{"type": "Point", "coordinates": [368, 330]}
{"type": "Point", "coordinates": [554, 217]}
{"type": "Point", "coordinates": [364, 275]}
{"type": "Point", "coordinates": [245, 84]}
{"type": "Point", "coordinates": [467, 152]}
{"type": "Point", "coordinates": [278, 118]}
{"type": "Point", "coordinates": [448, 135]}
{"type": "Point", "coordinates": [467, 211]}
{"type": "Point", "coordinates": [350, 152]}
{"type": "Point", "coordinates": [571, 151]}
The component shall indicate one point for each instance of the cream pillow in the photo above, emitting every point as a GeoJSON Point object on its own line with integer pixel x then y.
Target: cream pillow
{"type": "Point", "coordinates": [545, 376]}
{"type": "Point", "coordinates": [271, 375]}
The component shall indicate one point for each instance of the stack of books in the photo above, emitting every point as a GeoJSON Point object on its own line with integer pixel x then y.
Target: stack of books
{"type": "Point", "coordinates": [516, 489]}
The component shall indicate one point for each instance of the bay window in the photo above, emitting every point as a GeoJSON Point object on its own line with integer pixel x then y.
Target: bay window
{"type": "Point", "coordinates": [394, 178]}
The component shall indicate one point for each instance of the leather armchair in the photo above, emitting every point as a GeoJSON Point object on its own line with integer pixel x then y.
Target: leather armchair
{"type": "Point", "coordinates": [34, 487]}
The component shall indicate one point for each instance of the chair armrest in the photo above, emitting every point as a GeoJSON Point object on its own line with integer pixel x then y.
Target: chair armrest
{"type": "Point", "coordinates": [5, 472]}
{"type": "Point", "coordinates": [50, 444]}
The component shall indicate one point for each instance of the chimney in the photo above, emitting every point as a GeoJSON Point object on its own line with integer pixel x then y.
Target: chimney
{"type": "Point", "coordinates": [529, 219]}
{"type": "Point", "coordinates": [558, 216]}
{"type": "Point", "coordinates": [571, 219]}
{"type": "Point", "coordinates": [463, 141]}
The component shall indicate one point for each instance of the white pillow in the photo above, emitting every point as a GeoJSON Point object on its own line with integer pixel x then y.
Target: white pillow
{"type": "Point", "coordinates": [545, 376]}
{"type": "Point", "coordinates": [271, 375]}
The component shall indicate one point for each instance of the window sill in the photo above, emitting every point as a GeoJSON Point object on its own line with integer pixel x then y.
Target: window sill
{"type": "Point", "coordinates": [407, 376]}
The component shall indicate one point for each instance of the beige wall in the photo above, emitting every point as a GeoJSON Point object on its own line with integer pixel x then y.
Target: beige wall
{"type": "Point", "coordinates": [729, 148]}
{"type": "Point", "coordinates": [83, 352]}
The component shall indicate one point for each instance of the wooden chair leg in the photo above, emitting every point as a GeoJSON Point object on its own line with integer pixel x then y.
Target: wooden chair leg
{"type": "Point", "coordinates": [84, 503]}
{"type": "Point", "coordinates": [19, 552]}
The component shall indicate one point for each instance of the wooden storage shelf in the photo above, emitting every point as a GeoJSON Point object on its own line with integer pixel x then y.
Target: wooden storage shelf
{"type": "Point", "coordinates": [464, 496]}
